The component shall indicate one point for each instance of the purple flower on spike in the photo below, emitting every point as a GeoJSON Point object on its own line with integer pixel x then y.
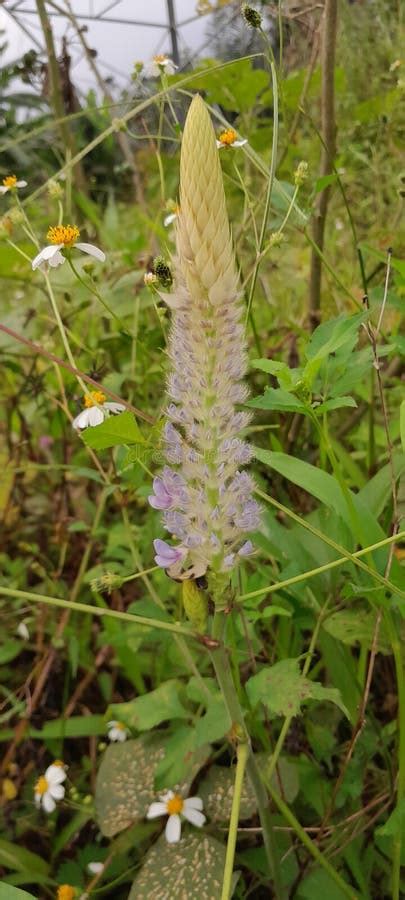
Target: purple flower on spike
{"type": "Point", "coordinates": [166, 555]}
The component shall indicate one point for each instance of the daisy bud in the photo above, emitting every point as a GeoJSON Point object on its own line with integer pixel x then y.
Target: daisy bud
{"type": "Point", "coordinates": [206, 501]}
{"type": "Point", "coordinates": [16, 215]}
{"type": "Point", "coordinates": [195, 605]}
{"type": "Point", "coordinates": [163, 272]}
{"type": "Point", "coordinates": [55, 190]}
{"type": "Point", "coordinates": [150, 278]}
{"type": "Point", "coordinates": [276, 239]}
{"type": "Point", "coordinates": [106, 583]}
{"type": "Point", "coordinates": [301, 173]}
{"type": "Point", "coordinates": [251, 16]}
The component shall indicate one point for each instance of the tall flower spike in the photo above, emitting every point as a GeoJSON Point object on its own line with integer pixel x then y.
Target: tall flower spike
{"type": "Point", "coordinates": [206, 500]}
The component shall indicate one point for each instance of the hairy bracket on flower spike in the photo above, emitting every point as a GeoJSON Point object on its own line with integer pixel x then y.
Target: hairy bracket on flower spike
{"type": "Point", "coordinates": [205, 497]}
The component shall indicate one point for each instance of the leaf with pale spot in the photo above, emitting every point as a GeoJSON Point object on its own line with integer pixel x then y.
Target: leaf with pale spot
{"type": "Point", "coordinates": [190, 870]}
{"type": "Point", "coordinates": [282, 689]}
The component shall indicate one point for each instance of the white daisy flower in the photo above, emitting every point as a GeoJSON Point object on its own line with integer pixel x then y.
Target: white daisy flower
{"type": "Point", "coordinates": [96, 410]}
{"type": "Point", "coordinates": [23, 632]}
{"type": "Point", "coordinates": [10, 183]}
{"type": "Point", "coordinates": [95, 868]}
{"type": "Point", "coordinates": [63, 237]}
{"type": "Point", "coordinates": [116, 731]}
{"type": "Point", "coordinates": [173, 805]}
{"type": "Point", "coordinates": [159, 64]}
{"type": "Point", "coordinates": [49, 788]}
{"type": "Point", "coordinates": [173, 212]}
{"type": "Point", "coordinates": [229, 138]}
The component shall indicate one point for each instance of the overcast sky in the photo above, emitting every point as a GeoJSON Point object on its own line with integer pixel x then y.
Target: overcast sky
{"type": "Point", "coordinates": [118, 45]}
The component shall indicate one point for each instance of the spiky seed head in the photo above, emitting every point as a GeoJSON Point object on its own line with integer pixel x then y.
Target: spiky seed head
{"type": "Point", "coordinates": [301, 173]}
{"type": "Point", "coordinates": [251, 16]}
{"type": "Point", "coordinates": [163, 272]}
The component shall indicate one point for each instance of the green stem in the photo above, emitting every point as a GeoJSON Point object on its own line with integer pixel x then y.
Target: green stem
{"type": "Point", "coordinates": [309, 844]}
{"type": "Point", "coordinates": [342, 550]}
{"type": "Point", "coordinates": [223, 674]}
{"type": "Point", "coordinates": [296, 579]}
{"type": "Point", "coordinates": [94, 610]}
{"type": "Point", "coordinates": [270, 183]}
{"type": "Point", "coordinates": [242, 755]}
{"type": "Point", "coordinates": [400, 676]}
{"type": "Point", "coordinates": [93, 290]}
{"type": "Point", "coordinates": [62, 330]}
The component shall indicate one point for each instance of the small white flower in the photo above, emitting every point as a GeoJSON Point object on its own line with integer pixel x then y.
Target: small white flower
{"type": "Point", "coordinates": [159, 64]}
{"type": "Point", "coordinates": [23, 632]}
{"type": "Point", "coordinates": [63, 237]}
{"type": "Point", "coordinates": [49, 788]}
{"type": "Point", "coordinates": [173, 212]}
{"type": "Point", "coordinates": [150, 278]}
{"type": "Point", "coordinates": [10, 183]}
{"type": "Point", "coordinates": [229, 138]}
{"type": "Point", "coordinates": [116, 731]}
{"type": "Point", "coordinates": [173, 805]}
{"type": "Point", "coordinates": [95, 868]}
{"type": "Point", "coordinates": [96, 410]}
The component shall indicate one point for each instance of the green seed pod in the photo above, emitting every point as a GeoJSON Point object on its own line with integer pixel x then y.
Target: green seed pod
{"type": "Point", "coordinates": [195, 605]}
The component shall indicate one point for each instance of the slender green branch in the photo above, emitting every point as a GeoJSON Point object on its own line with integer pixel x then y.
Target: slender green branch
{"type": "Point", "coordinates": [296, 579]}
{"type": "Point", "coordinates": [242, 755]}
{"type": "Point", "coordinates": [388, 585]}
{"type": "Point", "coordinates": [99, 611]}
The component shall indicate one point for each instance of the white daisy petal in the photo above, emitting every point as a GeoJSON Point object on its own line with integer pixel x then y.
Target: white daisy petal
{"type": "Point", "coordinates": [21, 183]}
{"type": "Point", "coordinates": [169, 219]}
{"type": "Point", "coordinates": [82, 420]}
{"type": "Point", "coordinates": [55, 774]}
{"type": "Point", "coordinates": [95, 868]}
{"type": "Point", "coordinates": [95, 415]}
{"type": "Point", "coordinates": [23, 632]}
{"type": "Point", "coordinates": [193, 803]}
{"type": "Point", "coordinates": [114, 407]}
{"type": "Point", "coordinates": [91, 250]}
{"type": "Point", "coordinates": [48, 802]}
{"type": "Point", "coordinates": [57, 791]}
{"type": "Point", "coordinates": [56, 260]}
{"type": "Point", "coordinates": [37, 798]}
{"type": "Point", "coordinates": [3, 189]}
{"type": "Point", "coordinates": [156, 810]}
{"type": "Point", "coordinates": [194, 816]}
{"type": "Point", "coordinates": [173, 829]}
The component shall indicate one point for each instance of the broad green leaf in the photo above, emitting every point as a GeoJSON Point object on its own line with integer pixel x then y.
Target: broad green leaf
{"type": "Point", "coordinates": [356, 626]}
{"type": "Point", "coordinates": [19, 859]}
{"type": "Point", "coordinates": [151, 709]}
{"type": "Point", "coordinates": [332, 335]}
{"type": "Point", "coordinates": [318, 885]}
{"type": "Point", "coordinates": [395, 824]}
{"type": "Point", "coordinates": [334, 403]}
{"type": "Point", "coordinates": [9, 892]}
{"type": "Point", "coordinates": [324, 181]}
{"type": "Point", "coordinates": [377, 492]}
{"type": "Point", "coordinates": [272, 366]}
{"type": "Point", "coordinates": [278, 399]}
{"type": "Point", "coordinates": [215, 724]}
{"type": "Point", "coordinates": [182, 759]}
{"type": "Point", "coordinates": [125, 783]}
{"type": "Point", "coordinates": [317, 482]}
{"type": "Point", "coordinates": [282, 689]}
{"type": "Point", "coordinates": [216, 792]}
{"type": "Point", "coordinates": [115, 430]}
{"type": "Point", "coordinates": [191, 869]}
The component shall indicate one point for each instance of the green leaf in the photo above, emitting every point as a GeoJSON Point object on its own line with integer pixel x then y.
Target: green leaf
{"type": "Point", "coordinates": [182, 759]}
{"type": "Point", "coordinates": [215, 723]}
{"type": "Point", "coordinates": [278, 399]}
{"type": "Point", "coordinates": [9, 650]}
{"type": "Point", "coordinates": [125, 783]}
{"type": "Point", "coordinates": [394, 827]}
{"type": "Point", "coordinates": [356, 626]}
{"type": "Point", "coordinates": [216, 791]}
{"type": "Point", "coordinates": [318, 885]}
{"type": "Point", "coordinates": [193, 868]}
{"type": "Point", "coordinates": [19, 859]}
{"type": "Point", "coordinates": [334, 403]}
{"type": "Point", "coordinates": [272, 366]}
{"type": "Point", "coordinates": [158, 706]}
{"type": "Point", "coordinates": [324, 181]}
{"type": "Point", "coordinates": [115, 430]}
{"type": "Point", "coordinates": [318, 483]}
{"type": "Point", "coordinates": [332, 335]}
{"type": "Point", "coordinates": [282, 689]}
{"type": "Point", "coordinates": [8, 892]}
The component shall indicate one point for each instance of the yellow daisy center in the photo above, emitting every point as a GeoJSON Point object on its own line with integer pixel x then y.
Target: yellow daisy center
{"type": "Point", "coordinates": [65, 892]}
{"type": "Point", "coordinates": [175, 805]}
{"type": "Point", "coordinates": [94, 398]}
{"type": "Point", "coordinates": [160, 59]}
{"type": "Point", "coordinates": [228, 137]}
{"type": "Point", "coordinates": [41, 786]}
{"type": "Point", "coordinates": [10, 181]}
{"type": "Point", "coordinates": [63, 234]}
{"type": "Point", "coordinates": [59, 762]}
{"type": "Point", "coordinates": [119, 725]}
